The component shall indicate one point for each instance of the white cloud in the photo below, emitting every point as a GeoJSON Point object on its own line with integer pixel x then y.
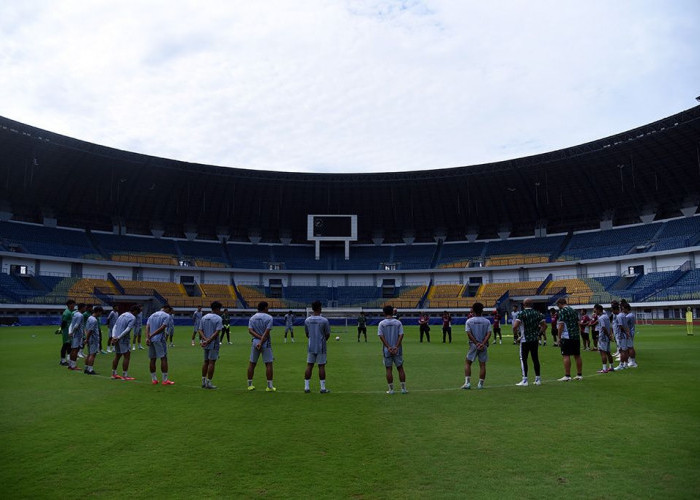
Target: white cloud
{"type": "Point", "coordinates": [356, 86]}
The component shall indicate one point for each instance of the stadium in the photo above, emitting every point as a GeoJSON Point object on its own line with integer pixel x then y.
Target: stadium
{"type": "Point", "coordinates": [463, 237]}
{"type": "Point", "coordinates": [621, 223]}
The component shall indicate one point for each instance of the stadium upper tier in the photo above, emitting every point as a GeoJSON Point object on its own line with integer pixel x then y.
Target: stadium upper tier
{"type": "Point", "coordinates": [652, 168]}
{"type": "Point", "coordinates": [657, 236]}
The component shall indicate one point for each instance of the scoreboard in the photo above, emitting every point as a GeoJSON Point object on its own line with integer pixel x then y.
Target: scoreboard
{"type": "Point", "coordinates": [332, 227]}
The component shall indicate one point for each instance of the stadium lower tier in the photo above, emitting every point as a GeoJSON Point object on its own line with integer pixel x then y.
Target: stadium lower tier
{"type": "Point", "coordinates": [48, 290]}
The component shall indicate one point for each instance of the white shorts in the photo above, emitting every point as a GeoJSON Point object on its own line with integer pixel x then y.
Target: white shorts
{"type": "Point", "coordinates": [473, 353]}
{"type": "Point", "coordinates": [318, 358]}
{"type": "Point", "coordinates": [396, 360]}
{"type": "Point", "coordinates": [158, 349]}
{"type": "Point", "coordinates": [622, 342]}
{"type": "Point", "coordinates": [266, 354]}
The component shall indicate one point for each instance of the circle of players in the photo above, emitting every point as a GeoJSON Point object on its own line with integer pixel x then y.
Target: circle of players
{"type": "Point", "coordinates": [80, 330]}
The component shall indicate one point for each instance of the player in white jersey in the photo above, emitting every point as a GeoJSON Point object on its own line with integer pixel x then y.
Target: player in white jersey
{"type": "Point", "coordinates": [170, 330]}
{"type": "Point", "coordinates": [76, 335]}
{"type": "Point", "coordinates": [631, 325]}
{"type": "Point", "coordinates": [390, 332]}
{"type": "Point", "coordinates": [156, 328]}
{"type": "Point", "coordinates": [92, 339]}
{"type": "Point", "coordinates": [478, 331]}
{"type": "Point", "coordinates": [604, 338]}
{"type": "Point", "coordinates": [259, 327]}
{"type": "Point", "coordinates": [289, 326]}
{"type": "Point", "coordinates": [196, 319]}
{"type": "Point", "coordinates": [621, 336]}
{"type": "Point", "coordinates": [120, 341]}
{"type": "Point", "coordinates": [318, 330]}
{"type": "Point", "coordinates": [209, 331]}
{"type": "Point", "coordinates": [111, 320]}
{"type": "Point", "coordinates": [138, 324]}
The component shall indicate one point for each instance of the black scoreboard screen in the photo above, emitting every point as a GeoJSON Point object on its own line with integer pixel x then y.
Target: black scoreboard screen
{"type": "Point", "coordinates": [332, 227]}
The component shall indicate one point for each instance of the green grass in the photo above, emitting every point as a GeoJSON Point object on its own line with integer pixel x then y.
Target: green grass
{"type": "Point", "coordinates": [630, 434]}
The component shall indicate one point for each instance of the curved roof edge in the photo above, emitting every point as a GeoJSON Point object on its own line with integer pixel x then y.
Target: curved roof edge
{"type": "Point", "coordinates": [628, 136]}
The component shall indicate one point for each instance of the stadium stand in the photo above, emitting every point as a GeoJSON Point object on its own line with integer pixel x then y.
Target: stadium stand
{"type": "Point", "coordinates": [89, 289]}
{"type": "Point", "coordinates": [489, 293]}
{"type": "Point", "coordinates": [358, 296]}
{"type": "Point", "coordinates": [408, 297]}
{"type": "Point", "coordinates": [648, 284]}
{"type": "Point", "coordinates": [59, 291]}
{"type": "Point", "coordinates": [446, 296]}
{"type": "Point", "coordinates": [253, 294]}
{"type": "Point", "coordinates": [598, 287]}
{"type": "Point", "coordinates": [144, 250]}
{"type": "Point", "coordinates": [578, 290]}
{"type": "Point", "coordinates": [460, 254]}
{"type": "Point", "coordinates": [173, 293]}
{"type": "Point", "coordinates": [203, 254]}
{"type": "Point", "coordinates": [614, 242]}
{"type": "Point", "coordinates": [522, 251]}
{"type": "Point", "coordinates": [678, 233]}
{"type": "Point", "coordinates": [14, 289]}
{"type": "Point", "coordinates": [413, 256]}
{"type": "Point", "coordinates": [217, 291]}
{"type": "Point", "coordinates": [245, 256]}
{"type": "Point", "coordinates": [302, 296]}
{"type": "Point", "coordinates": [40, 240]}
{"type": "Point", "coordinates": [298, 257]}
{"type": "Point", "coordinates": [369, 257]}
{"type": "Point", "coordinates": [686, 288]}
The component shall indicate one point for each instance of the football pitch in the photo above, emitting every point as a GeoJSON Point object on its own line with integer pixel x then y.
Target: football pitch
{"type": "Point", "coordinates": [623, 435]}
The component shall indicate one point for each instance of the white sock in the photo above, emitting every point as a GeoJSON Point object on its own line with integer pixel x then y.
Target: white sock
{"type": "Point", "coordinates": [153, 376]}
{"type": "Point", "coordinates": [632, 361]}
{"type": "Point", "coordinates": [89, 368]}
{"type": "Point", "coordinates": [269, 384]}
{"type": "Point", "coordinates": [207, 382]}
{"type": "Point", "coordinates": [306, 385]}
{"type": "Point", "coordinates": [481, 382]}
{"type": "Point", "coordinates": [323, 384]}
{"type": "Point", "coordinates": [165, 376]}
{"type": "Point", "coordinates": [467, 380]}
{"type": "Point", "coordinates": [250, 382]}
{"type": "Point", "coordinates": [125, 374]}
{"type": "Point", "coordinates": [72, 363]}
{"type": "Point", "coordinates": [114, 372]}
{"type": "Point", "coordinates": [391, 387]}
{"type": "Point", "coordinates": [403, 386]}
{"type": "Point", "coordinates": [204, 380]}
{"type": "Point", "coordinates": [524, 379]}
{"type": "Point", "coordinates": [538, 378]}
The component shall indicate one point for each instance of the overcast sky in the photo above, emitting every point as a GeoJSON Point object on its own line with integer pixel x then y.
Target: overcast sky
{"type": "Point", "coordinates": [346, 86]}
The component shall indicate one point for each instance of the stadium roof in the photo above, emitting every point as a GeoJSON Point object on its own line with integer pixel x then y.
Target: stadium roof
{"type": "Point", "coordinates": [655, 168]}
